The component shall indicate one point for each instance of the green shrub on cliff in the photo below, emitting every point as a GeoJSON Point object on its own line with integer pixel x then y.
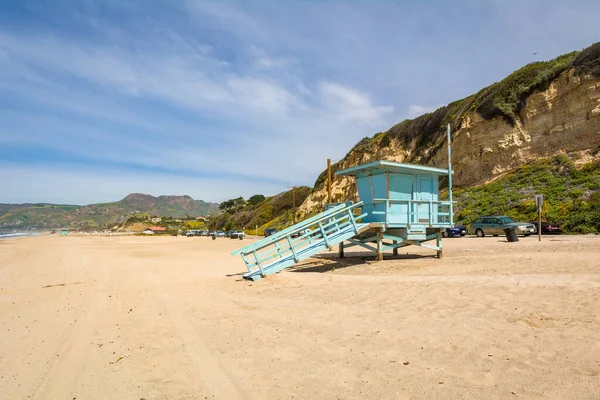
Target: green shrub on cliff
{"type": "Point", "coordinates": [587, 61]}
{"type": "Point", "coordinates": [571, 195]}
{"type": "Point", "coordinates": [505, 98]}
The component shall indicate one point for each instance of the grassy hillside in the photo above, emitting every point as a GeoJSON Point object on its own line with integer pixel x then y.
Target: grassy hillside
{"type": "Point", "coordinates": [571, 194]}
{"type": "Point", "coordinates": [38, 215]}
{"type": "Point", "coordinates": [102, 215]}
{"type": "Point", "coordinates": [275, 211]}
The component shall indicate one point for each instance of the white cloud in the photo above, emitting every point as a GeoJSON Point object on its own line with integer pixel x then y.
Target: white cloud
{"type": "Point", "coordinates": [278, 120]}
{"type": "Point", "coordinates": [351, 104]}
{"type": "Point", "coordinates": [415, 110]}
{"type": "Point", "coordinates": [266, 62]}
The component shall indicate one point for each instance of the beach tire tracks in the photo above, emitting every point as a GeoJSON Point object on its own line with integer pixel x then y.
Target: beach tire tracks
{"type": "Point", "coordinates": [214, 379]}
{"type": "Point", "coordinates": [61, 379]}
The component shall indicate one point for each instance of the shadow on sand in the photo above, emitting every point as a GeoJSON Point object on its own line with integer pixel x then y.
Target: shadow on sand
{"type": "Point", "coordinates": [329, 262]}
{"type": "Point", "coordinates": [238, 274]}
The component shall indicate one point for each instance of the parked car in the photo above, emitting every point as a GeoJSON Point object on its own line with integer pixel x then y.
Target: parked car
{"type": "Point", "coordinates": [211, 233]}
{"type": "Point", "coordinates": [463, 229]}
{"type": "Point", "coordinates": [220, 234]}
{"type": "Point", "coordinates": [452, 232]}
{"type": "Point", "coordinates": [270, 231]}
{"type": "Point", "coordinates": [227, 233]}
{"type": "Point", "coordinates": [495, 225]}
{"type": "Point", "coordinates": [548, 228]}
{"type": "Point", "coordinates": [237, 235]}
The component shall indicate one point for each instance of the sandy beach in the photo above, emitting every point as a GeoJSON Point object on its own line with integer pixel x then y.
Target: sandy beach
{"type": "Point", "coordinates": [170, 318]}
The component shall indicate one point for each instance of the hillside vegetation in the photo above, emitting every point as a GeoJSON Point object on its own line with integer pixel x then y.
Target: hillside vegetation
{"type": "Point", "coordinates": [275, 211]}
{"type": "Point", "coordinates": [571, 195]}
{"type": "Point", "coordinates": [102, 215]}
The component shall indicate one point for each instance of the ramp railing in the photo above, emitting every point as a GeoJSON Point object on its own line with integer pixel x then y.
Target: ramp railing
{"type": "Point", "coordinates": [300, 241]}
{"type": "Point", "coordinates": [437, 213]}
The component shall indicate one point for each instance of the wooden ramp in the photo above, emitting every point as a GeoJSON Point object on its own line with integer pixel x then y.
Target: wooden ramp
{"type": "Point", "coordinates": [300, 241]}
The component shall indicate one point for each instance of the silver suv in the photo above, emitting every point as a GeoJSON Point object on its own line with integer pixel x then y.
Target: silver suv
{"type": "Point", "coordinates": [495, 225]}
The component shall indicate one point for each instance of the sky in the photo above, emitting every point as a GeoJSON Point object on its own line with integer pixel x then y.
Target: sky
{"type": "Point", "coordinates": [220, 99]}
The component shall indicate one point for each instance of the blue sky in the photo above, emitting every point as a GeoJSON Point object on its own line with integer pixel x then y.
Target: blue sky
{"type": "Point", "coordinates": [100, 98]}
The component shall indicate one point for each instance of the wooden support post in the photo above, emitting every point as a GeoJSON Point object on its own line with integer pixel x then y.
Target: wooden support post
{"type": "Point", "coordinates": [379, 246]}
{"type": "Point", "coordinates": [294, 203]}
{"type": "Point", "coordinates": [341, 249]}
{"type": "Point", "coordinates": [329, 180]}
{"type": "Point", "coordinates": [395, 248]}
{"type": "Point", "coordinates": [438, 242]}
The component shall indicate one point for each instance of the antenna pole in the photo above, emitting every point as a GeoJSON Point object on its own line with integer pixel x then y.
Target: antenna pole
{"type": "Point", "coordinates": [329, 180]}
{"type": "Point", "coordinates": [450, 175]}
{"type": "Point", "coordinates": [293, 204]}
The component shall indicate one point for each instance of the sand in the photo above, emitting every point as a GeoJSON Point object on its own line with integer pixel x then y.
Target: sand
{"type": "Point", "coordinates": [170, 318]}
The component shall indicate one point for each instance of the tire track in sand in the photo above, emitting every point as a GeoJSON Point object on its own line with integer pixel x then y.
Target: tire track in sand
{"type": "Point", "coordinates": [213, 378]}
{"type": "Point", "coordinates": [61, 379]}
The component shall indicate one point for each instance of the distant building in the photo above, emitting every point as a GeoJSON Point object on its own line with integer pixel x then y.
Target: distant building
{"type": "Point", "coordinates": [156, 220]}
{"type": "Point", "coordinates": [151, 230]}
{"type": "Point", "coordinates": [201, 218]}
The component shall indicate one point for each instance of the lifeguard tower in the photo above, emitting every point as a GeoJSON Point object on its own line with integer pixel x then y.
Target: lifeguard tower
{"type": "Point", "coordinates": [399, 206]}
{"type": "Point", "coordinates": [401, 203]}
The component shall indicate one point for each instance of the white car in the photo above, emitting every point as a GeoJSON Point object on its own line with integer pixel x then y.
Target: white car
{"type": "Point", "coordinates": [237, 235]}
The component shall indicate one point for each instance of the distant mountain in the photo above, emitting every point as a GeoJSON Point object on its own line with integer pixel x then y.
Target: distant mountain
{"type": "Point", "coordinates": [93, 216]}
{"type": "Point", "coordinates": [167, 206]}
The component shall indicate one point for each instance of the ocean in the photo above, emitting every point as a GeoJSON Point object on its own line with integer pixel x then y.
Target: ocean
{"type": "Point", "coordinates": [12, 235]}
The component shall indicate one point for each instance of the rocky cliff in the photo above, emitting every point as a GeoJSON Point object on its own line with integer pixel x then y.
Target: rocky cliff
{"type": "Point", "coordinates": [565, 118]}
{"type": "Point", "coordinates": [543, 109]}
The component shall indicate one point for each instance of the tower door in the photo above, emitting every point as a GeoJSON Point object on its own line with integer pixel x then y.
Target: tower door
{"type": "Point", "coordinates": [425, 188]}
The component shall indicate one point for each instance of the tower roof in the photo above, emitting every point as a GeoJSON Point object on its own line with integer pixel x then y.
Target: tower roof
{"type": "Point", "coordinates": [381, 166]}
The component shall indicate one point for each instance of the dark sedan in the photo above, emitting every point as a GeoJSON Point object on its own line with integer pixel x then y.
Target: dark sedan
{"type": "Point", "coordinates": [548, 228]}
{"type": "Point", "coordinates": [452, 232]}
{"type": "Point", "coordinates": [463, 229]}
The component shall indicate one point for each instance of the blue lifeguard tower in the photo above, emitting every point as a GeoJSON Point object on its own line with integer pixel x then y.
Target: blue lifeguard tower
{"type": "Point", "coordinates": [399, 206]}
{"type": "Point", "coordinates": [402, 205]}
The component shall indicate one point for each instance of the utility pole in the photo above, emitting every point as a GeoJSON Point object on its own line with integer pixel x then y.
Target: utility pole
{"type": "Point", "coordinates": [539, 203]}
{"type": "Point", "coordinates": [450, 174]}
{"type": "Point", "coordinates": [213, 219]}
{"type": "Point", "coordinates": [294, 204]}
{"type": "Point", "coordinates": [329, 180]}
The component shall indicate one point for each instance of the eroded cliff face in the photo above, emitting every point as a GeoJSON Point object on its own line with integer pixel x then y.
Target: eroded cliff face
{"type": "Point", "coordinates": [565, 118]}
